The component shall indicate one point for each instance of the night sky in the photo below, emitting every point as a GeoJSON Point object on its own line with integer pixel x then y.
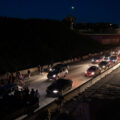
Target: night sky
{"type": "Point", "coordinates": [84, 11]}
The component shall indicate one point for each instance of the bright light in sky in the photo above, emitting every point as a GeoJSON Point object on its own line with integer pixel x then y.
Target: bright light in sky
{"type": "Point", "coordinates": [73, 7]}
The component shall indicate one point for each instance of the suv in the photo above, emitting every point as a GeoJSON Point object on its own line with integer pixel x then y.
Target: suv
{"type": "Point", "coordinates": [107, 57]}
{"type": "Point", "coordinates": [113, 59]}
{"type": "Point", "coordinates": [58, 72]}
{"type": "Point", "coordinates": [104, 65]}
{"type": "Point", "coordinates": [59, 86]}
{"type": "Point", "coordinates": [97, 59]}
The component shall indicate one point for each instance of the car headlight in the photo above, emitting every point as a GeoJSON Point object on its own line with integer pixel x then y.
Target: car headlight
{"type": "Point", "coordinates": [54, 75]}
{"type": "Point", "coordinates": [103, 66]}
{"type": "Point", "coordinates": [55, 91]}
{"type": "Point", "coordinates": [92, 73]}
{"type": "Point", "coordinates": [97, 60]}
{"type": "Point", "coordinates": [50, 69]}
{"type": "Point", "coordinates": [92, 60]}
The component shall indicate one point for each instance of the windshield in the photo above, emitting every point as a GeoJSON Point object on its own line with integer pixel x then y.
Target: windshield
{"type": "Point", "coordinates": [93, 68]}
{"type": "Point", "coordinates": [113, 57]}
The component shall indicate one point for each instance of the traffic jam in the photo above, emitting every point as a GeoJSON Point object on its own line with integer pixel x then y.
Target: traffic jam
{"type": "Point", "coordinates": [57, 73]}
{"type": "Point", "coordinates": [58, 83]}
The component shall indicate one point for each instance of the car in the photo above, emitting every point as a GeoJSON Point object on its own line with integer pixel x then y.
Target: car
{"type": "Point", "coordinates": [97, 59]}
{"type": "Point", "coordinates": [104, 65]}
{"type": "Point", "coordinates": [59, 87]}
{"type": "Point", "coordinates": [107, 57]}
{"type": "Point", "coordinates": [92, 71]}
{"type": "Point", "coordinates": [57, 72]}
{"type": "Point", "coordinates": [118, 57]}
{"type": "Point", "coordinates": [113, 59]}
{"type": "Point", "coordinates": [115, 53]}
{"type": "Point", "coordinates": [9, 90]}
{"type": "Point", "coordinates": [57, 66]}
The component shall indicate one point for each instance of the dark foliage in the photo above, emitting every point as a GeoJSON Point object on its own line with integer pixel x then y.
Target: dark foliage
{"type": "Point", "coordinates": [27, 43]}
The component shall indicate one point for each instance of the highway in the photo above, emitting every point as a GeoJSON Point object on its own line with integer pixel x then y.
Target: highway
{"type": "Point", "coordinates": [107, 89]}
{"type": "Point", "coordinates": [76, 73]}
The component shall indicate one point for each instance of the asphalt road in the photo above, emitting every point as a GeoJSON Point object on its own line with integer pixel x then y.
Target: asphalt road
{"type": "Point", "coordinates": [76, 73]}
{"type": "Point", "coordinates": [108, 88]}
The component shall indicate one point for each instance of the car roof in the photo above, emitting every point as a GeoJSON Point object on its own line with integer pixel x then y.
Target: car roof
{"type": "Point", "coordinates": [103, 62]}
{"type": "Point", "coordinates": [97, 57]}
{"type": "Point", "coordinates": [107, 55]}
{"type": "Point", "coordinates": [60, 83]}
{"type": "Point", "coordinates": [62, 80]}
{"type": "Point", "coordinates": [113, 56]}
{"type": "Point", "coordinates": [92, 68]}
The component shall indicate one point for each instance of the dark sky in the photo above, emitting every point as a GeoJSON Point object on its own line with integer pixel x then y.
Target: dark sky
{"type": "Point", "coordinates": [85, 10]}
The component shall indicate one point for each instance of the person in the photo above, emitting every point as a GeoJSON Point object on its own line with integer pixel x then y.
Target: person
{"type": "Point", "coordinates": [12, 78]}
{"type": "Point", "coordinates": [29, 73]}
{"type": "Point", "coordinates": [37, 95]}
{"type": "Point", "coordinates": [7, 75]}
{"type": "Point", "coordinates": [9, 79]}
{"type": "Point", "coordinates": [39, 68]}
{"type": "Point", "coordinates": [32, 96]}
{"type": "Point", "coordinates": [17, 74]}
{"type": "Point", "coordinates": [60, 101]}
{"type": "Point", "coordinates": [22, 79]}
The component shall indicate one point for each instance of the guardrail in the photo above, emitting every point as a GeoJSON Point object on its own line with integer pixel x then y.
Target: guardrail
{"type": "Point", "coordinates": [53, 106]}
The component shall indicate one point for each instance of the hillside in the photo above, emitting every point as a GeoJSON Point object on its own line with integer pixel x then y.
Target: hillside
{"type": "Point", "coordinates": [27, 43]}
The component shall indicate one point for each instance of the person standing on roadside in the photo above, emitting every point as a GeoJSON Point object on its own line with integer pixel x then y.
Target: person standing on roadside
{"type": "Point", "coordinates": [12, 78]}
{"type": "Point", "coordinates": [29, 73]}
{"type": "Point", "coordinates": [17, 75]}
{"type": "Point", "coordinates": [39, 68]}
{"type": "Point", "coordinates": [37, 95]}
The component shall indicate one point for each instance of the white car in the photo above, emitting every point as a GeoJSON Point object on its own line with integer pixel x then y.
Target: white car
{"type": "Point", "coordinates": [57, 73]}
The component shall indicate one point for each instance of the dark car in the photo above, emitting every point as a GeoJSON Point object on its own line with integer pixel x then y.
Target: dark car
{"type": "Point", "coordinates": [58, 66]}
{"type": "Point", "coordinates": [59, 86]}
{"type": "Point", "coordinates": [93, 71]}
{"type": "Point", "coordinates": [113, 59]}
{"type": "Point", "coordinates": [9, 90]}
{"type": "Point", "coordinates": [97, 59]}
{"type": "Point", "coordinates": [104, 65]}
{"type": "Point", "coordinates": [57, 72]}
{"type": "Point", "coordinates": [107, 57]}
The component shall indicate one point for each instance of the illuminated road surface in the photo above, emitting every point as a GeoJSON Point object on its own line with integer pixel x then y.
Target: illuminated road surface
{"type": "Point", "coordinates": [76, 73]}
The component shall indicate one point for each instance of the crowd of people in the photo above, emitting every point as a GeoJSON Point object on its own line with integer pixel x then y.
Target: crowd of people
{"type": "Point", "coordinates": [20, 99]}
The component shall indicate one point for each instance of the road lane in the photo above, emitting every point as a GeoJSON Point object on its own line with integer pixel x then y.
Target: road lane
{"type": "Point", "coordinates": [76, 73]}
